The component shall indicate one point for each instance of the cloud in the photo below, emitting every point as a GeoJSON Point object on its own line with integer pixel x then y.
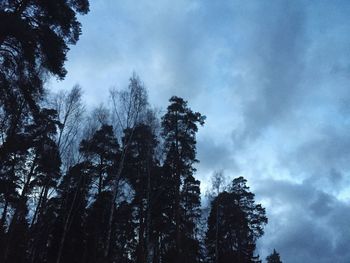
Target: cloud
{"type": "Point", "coordinates": [306, 224]}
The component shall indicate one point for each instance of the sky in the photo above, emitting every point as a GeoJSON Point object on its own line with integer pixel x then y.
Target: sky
{"type": "Point", "coordinates": [272, 77]}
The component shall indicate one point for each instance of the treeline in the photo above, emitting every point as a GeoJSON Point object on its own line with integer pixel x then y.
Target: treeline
{"type": "Point", "coordinates": [116, 185]}
{"type": "Point", "coordinates": [125, 193]}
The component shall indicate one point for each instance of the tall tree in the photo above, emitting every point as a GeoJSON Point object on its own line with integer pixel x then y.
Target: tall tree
{"type": "Point", "coordinates": [234, 224]}
{"type": "Point", "coordinates": [70, 111]}
{"type": "Point", "coordinates": [179, 128]}
{"type": "Point", "coordinates": [129, 105]}
{"type": "Point", "coordinates": [34, 38]}
{"type": "Point", "coordinates": [218, 184]}
{"type": "Point", "coordinates": [102, 150]}
{"type": "Point", "coordinates": [67, 239]}
{"type": "Point", "coordinates": [140, 163]}
{"type": "Point", "coordinates": [274, 257]}
{"type": "Point", "coordinates": [40, 170]}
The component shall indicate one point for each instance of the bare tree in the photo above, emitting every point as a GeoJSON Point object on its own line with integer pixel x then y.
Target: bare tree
{"type": "Point", "coordinates": [70, 110]}
{"type": "Point", "coordinates": [218, 182]}
{"type": "Point", "coordinates": [129, 108]}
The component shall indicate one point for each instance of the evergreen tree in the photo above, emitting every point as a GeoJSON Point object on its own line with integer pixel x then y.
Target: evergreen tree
{"type": "Point", "coordinates": [68, 238]}
{"type": "Point", "coordinates": [179, 128]}
{"type": "Point", "coordinates": [40, 169]}
{"type": "Point", "coordinates": [241, 222]}
{"type": "Point", "coordinates": [190, 203]}
{"type": "Point", "coordinates": [102, 152]}
{"type": "Point", "coordinates": [34, 38]}
{"type": "Point", "coordinates": [140, 163]}
{"type": "Point", "coordinates": [274, 257]}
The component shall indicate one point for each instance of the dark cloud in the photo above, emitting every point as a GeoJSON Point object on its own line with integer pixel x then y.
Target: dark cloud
{"type": "Point", "coordinates": [306, 224]}
{"type": "Point", "coordinates": [214, 156]}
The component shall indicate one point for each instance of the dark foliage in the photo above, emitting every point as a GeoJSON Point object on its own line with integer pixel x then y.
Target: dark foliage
{"type": "Point", "coordinates": [274, 257]}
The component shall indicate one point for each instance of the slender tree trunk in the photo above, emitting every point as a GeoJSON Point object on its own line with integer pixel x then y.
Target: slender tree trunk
{"type": "Point", "coordinates": [177, 195]}
{"type": "Point", "coordinates": [37, 207]}
{"type": "Point", "coordinates": [217, 234]}
{"type": "Point", "coordinates": [141, 241]}
{"type": "Point", "coordinates": [100, 177]}
{"type": "Point", "coordinates": [177, 217]}
{"type": "Point", "coordinates": [114, 195]}
{"type": "Point", "coordinates": [66, 225]}
{"type": "Point", "coordinates": [113, 198]}
{"type": "Point", "coordinates": [32, 246]}
{"type": "Point", "coordinates": [149, 246]}
{"type": "Point", "coordinates": [19, 211]}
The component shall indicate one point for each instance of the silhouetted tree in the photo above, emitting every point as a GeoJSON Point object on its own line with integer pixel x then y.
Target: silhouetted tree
{"type": "Point", "coordinates": [34, 38]}
{"type": "Point", "coordinates": [70, 111]}
{"type": "Point", "coordinates": [241, 223]}
{"type": "Point", "coordinates": [102, 151]}
{"type": "Point", "coordinates": [128, 108]}
{"type": "Point", "coordinates": [140, 163]}
{"type": "Point", "coordinates": [67, 240]}
{"type": "Point", "coordinates": [274, 257]}
{"type": "Point", "coordinates": [179, 128]}
{"type": "Point", "coordinates": [40, 169]}
{"type": "Point", "coordinates": [218, 184]}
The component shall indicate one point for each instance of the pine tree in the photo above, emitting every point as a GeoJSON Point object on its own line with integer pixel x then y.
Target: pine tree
{"type": "Point", "coordinates": [274, 257]}
{"type": "Point", "coordinates": [179, 128]}
{"type": "Point", "coordinates": [241, 222]}
{"type": "Point", "coordinates": [67, 240]}
{"type": "Point", "coordinates": [34, 38]}
{"type": "Point", "coordinates": [30, 51]}
{"type": "Point", "coordinates": [140, 163]}
{"type": "Point", "coordinates": [190, 203]}
{"type": "Point", "coordinates": [102, 151]}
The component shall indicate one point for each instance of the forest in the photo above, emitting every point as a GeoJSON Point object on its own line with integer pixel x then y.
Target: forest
{"type": "Point", "coordinates": [113, 184]}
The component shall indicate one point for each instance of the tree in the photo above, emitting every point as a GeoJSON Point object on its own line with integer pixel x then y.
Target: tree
{"type": "Point", "coordinates": [139, 166]}
{"type": "Point", "coordinates": [179, 128]}
{"type": "Point", "coordinates": [102, 150]}
{"type": "Point", "coordinates": [34, 38]}
{"type": "Point", "coordinates": [190, 203]}
{"type": "Point", "coordinates": [41, 169]}
{"type": "Point", "coordinates": [218, 180]}
{"type": "Point", "coordinates": [274, 257]}
{"type": "Point", "coordinates": [241, 223]}
{"type": "Point", "coordinates": [68, 236]}
{"type": "Point", "coordinates": [128, 107]}
{"type": "Point", "coordinates": [70, 108]}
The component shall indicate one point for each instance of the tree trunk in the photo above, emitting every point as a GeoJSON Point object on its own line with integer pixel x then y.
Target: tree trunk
{"type": "Point", "coordinates": [113, 198]}
{"type": "Point", "coordinates": [114, 195]}
{"type": "Point", "coordinates": [217, 234]}
{"type": "Point", "coordinates": [66, 225]}
{"type": "Point", "coordinates": [177, 193]}
{"type": "Point", "coordinates": [149, 246]}
{"type": "Point", "coordinates": [37, 207]}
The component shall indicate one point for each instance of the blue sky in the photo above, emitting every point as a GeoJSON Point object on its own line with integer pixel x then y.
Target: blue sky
{"type": "Point", "coordinates": [272, 77]}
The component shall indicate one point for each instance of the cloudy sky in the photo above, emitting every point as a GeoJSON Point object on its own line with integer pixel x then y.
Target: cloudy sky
{"type": "Point", "coordinates": [272, 77]}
